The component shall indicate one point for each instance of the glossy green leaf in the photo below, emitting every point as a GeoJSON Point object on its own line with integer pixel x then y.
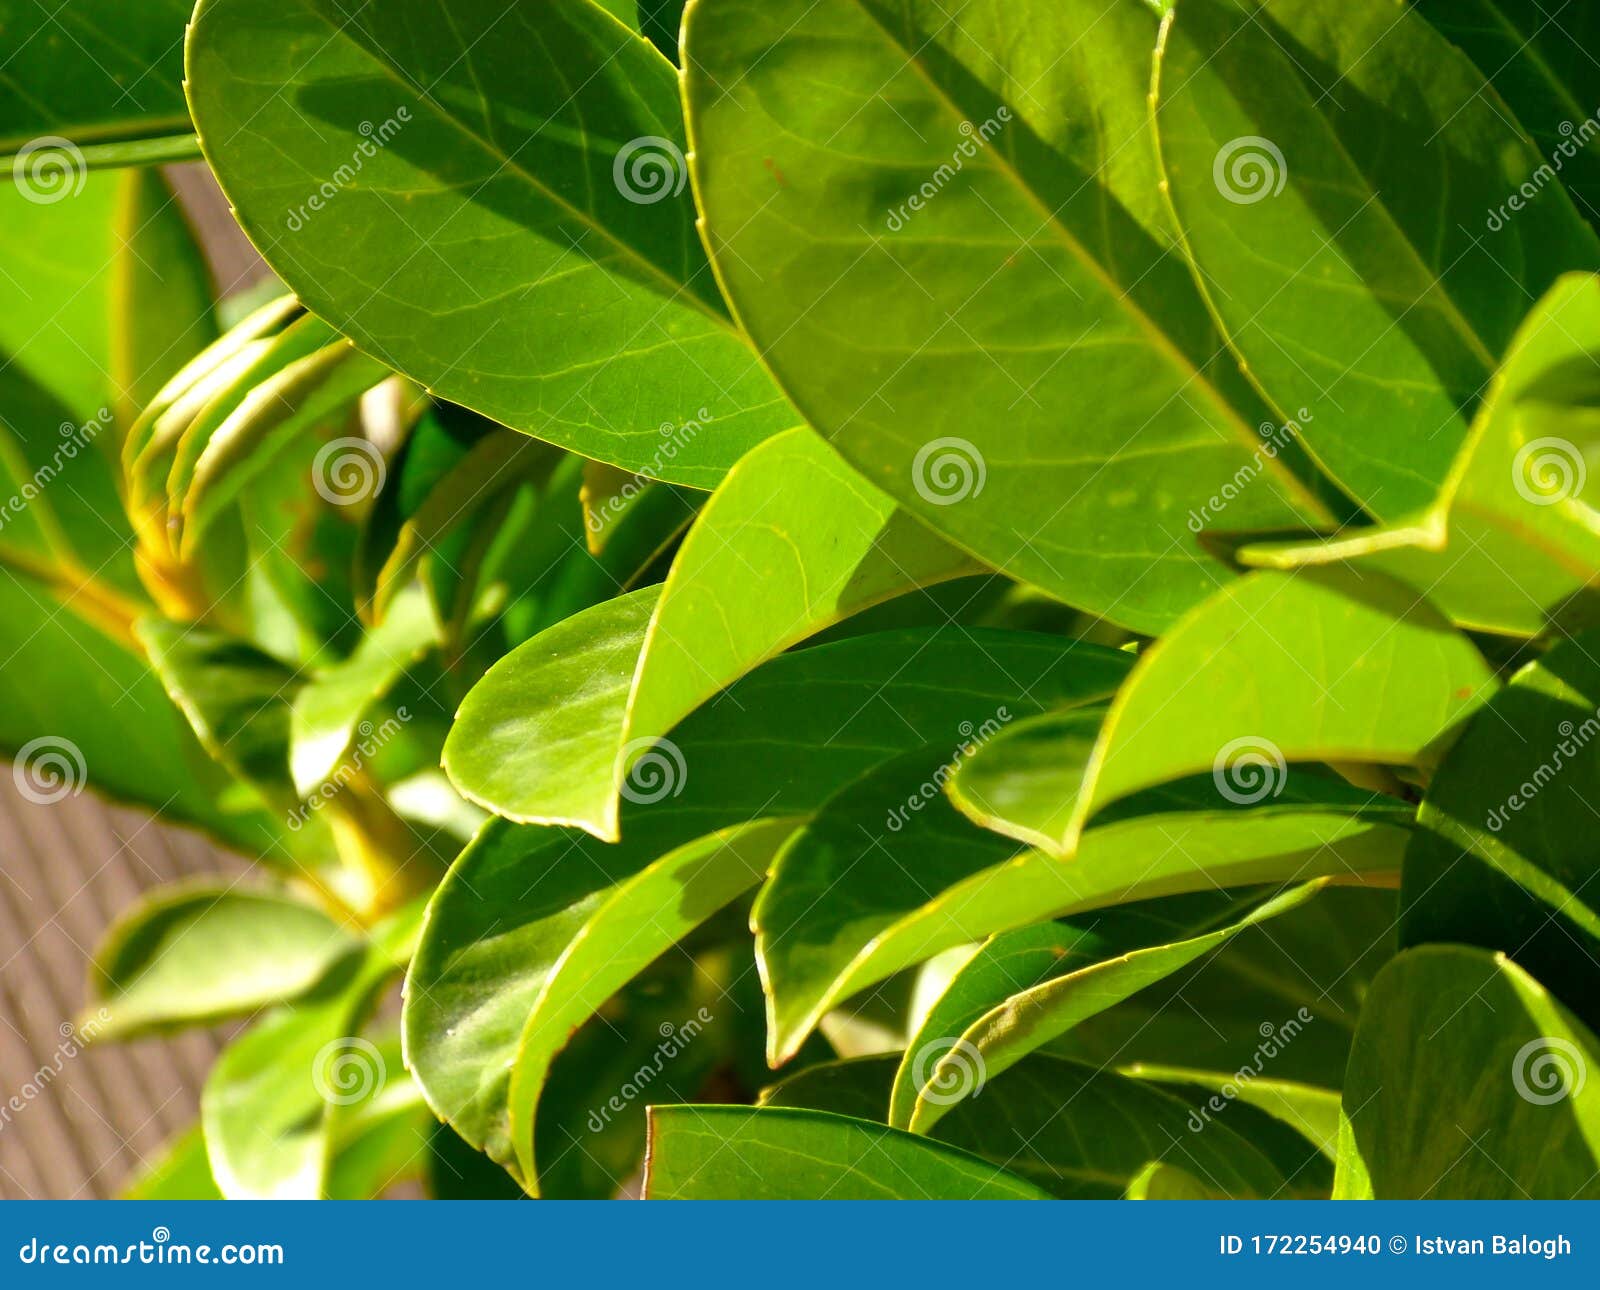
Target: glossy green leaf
{"type": "Point", "coordinates": [524, 737]}
{"type": "Point", "coordinates": [998, 968]}
{"type": "Point", "coordinates": [1511, 542]}
{"type": "Point", "coordinates": [972, 294]}
{"type": "Point", "coordinates": [493, 931]}
{"type": "Point", "coordinates": [161, 303]}
{"type": "Point", "coordinates": [1320, 665]}
{"type": "Point", "coordinates": [624, 930]}
{"type": "Point", "coordinates": [75, 681]}
{"type": "Point", "coordinates": [1280, 1001]}
{"type": "Point", "coordinates": [1076, 1132]}
{"type": "Point", "coordinates": [1028, 1020]}
{"type": "Point", "coordinates": [553, 732]}
{"type": "Point", "coordinates": [1330, 173]}
{"type": "Point", "coordinates": [1311, 1112]}
{"type": "Point", "coordinates": [96, 70]}
{"type": "Point", "coordinates": [236, 697]}
{"type": "Point", "coordinates": [316, 391]}
{"type": "Point", "coordinates": [819, 553]}
{"type": "Point", "coordinates": [850, 902]}
{"type": "Point", "coordinates": [57, 440]}
{"type": "Point", "coordinates": [378, 1141]}
{"type": "Point", "coordinates": [727, 1152]}
{"type": "Point", "coordinates": [1157, 1181]}
{"type": "Point", "coordinates": [488, 214]}
{"type": "Point", "coordinates": [274, 1101]}
{"type": "Point", "coordinates": [1504, 854]}
{"type": "Point", "coordinates": [525, 734]}
{"type": "Point", "coordinates": [197, 953]}
{"type": "Point", "coordinates": [326, 711]}
{"type": "Point", "coordinates": [1539, 60]}
{"type": "Point", "coordinates": [1468, 1082]}
{"type": "Point", "coordinates": [667, 1036]}
{"type": "Point", "coordinates": [1024, 780]}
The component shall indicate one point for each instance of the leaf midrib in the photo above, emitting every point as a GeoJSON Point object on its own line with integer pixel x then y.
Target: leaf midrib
{"type": "Point", "coordinates": [1159, 339]}
{"type": "Point", "coordinates": [1437, 290]}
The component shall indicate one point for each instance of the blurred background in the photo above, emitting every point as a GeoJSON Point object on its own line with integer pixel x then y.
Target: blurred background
{"type": "Point", "coordinates": [78, 1121]}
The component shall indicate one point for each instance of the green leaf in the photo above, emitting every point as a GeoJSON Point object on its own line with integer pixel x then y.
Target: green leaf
{"type": "Point", "coordinates": [1023, 781]}
{"type": "Point", "coordinates": [96, 70]}
{"type": "Point", "coordinates": [554, 730]}
{"type": "Point", "coordinates": [161, 301]}
{"type": "Point", "coordinates": [236, 697]}
{"type": "Point", "coordinates": [1076, 1132]}
{"type": "Point", "coordinates": [493, 930]}
{"type": "Point", "coordinates": [622, 931]}
{"type": "Point", "coordinates": [194, 954]}
{"type": "Point", "coordinates": [169, 462]}
{"type": "Point", "coordinates": [850, 902]}
{"type": "Point", "coordinates": [180, 1172]}
{"type": "Point", "coordinates": [1539, 62]}
{"type": "Point", "coordinates": [57, 443]}
{"type": "Point", "coordinates": [1321, 665]}
{"type": "Point", "coordinates": [327, 710]}
{"type": "Point", "coordinates": [174, 407]}
{"type": "Point", "coordinates": [1282, 999]}
{"type": "Point", "coordinates": [728, 1152]}
{"type": "Point", "coordinates": [524, 737]}
{"type": "Point", "coordinates": [64, 677]}
{"type": "Point", "coordinates": [1084, 1133]}
{"type": "Point", "coordinates": [885, 842]}
{"type": "Point", "coordinates": [1510, 543]}
{"type": "Point", "coordinates": [973, 294]}
{"type": "Point", "coordinates": [1468, 1082]}
{"type": "Point", "coordinates": [1028, 1020]}
{"type": "Point", "coordinates": [317, 391]}
{"type": "Point", "coordinates": [494, 462]}
{"type": "Point", "coordinates": [1157, 1181]}
{"type": "Point", "coordinates": [274, 1101]}
{"type": "Point", "coordinates": [819, 554]}
{"type": "Point", "coordinates": [378, 1141]}
{"type": "Point", "coordinates": [852, 1086]}
{"type": "Point", "coordinates": [488, 214]}
{"type": "Point", "coordinates": [665, 1037]}
{"type": "Point", "coordinates": [1504, 854]}
{"type": "Point", "coordinates": [1330, 174]}
{"type": "Point", "coordinates": [1311, 1112]}
{"type": "Point", "coordinates": [1002, 966]}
